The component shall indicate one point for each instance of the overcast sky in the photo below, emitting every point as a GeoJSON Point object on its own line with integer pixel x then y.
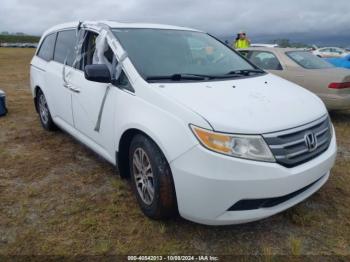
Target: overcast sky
{"type": "Point", "coordinates": [224, 17]}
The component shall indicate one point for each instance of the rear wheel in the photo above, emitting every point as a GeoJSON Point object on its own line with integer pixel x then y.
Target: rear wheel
{"type": "Point", "coordinates": [44, 112]}
{"type": "Point", "coordinates": [151, 179]}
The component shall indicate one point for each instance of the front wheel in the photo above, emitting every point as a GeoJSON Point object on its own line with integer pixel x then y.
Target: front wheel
{"type": "Point", "coordinates": [151, 179]}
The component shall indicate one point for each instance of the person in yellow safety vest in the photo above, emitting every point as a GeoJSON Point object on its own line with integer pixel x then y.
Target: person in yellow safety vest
{"type": "Point", "coordinates": [242, 41]}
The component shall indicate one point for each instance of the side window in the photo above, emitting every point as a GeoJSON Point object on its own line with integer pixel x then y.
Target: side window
{"type": "Point", "coordinates": [109, 55]}
{"type": "Point", "coordinates": [123, 82]}
{"type": "Point", "coordinates": [106, 57]}
{"type": "Point", "coordinates": [46, 49]}
{"type": "Point", "coordinates": [65, 47]}
{"type": "Point", "coordinates": [265, 60]}
{"type": "Point", "coordinates": [337, 50]}
{"type": "Point", "coordinates": [91, 55]}
{"type": "Point", "coordinates": [88, 48]}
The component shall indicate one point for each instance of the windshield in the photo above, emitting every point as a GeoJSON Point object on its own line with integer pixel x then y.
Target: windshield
{"type": "Point", "coordinates": [161, 53]}
{"type": "Point", "coordinates": [308, 60]}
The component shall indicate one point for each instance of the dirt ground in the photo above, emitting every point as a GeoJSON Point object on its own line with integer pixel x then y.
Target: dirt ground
{"type": "Point", "coordinates": [59, 198]}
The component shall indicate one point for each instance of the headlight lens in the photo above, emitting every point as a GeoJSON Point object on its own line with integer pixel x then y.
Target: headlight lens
{"type": "Point", "coordinates": [251, 147]}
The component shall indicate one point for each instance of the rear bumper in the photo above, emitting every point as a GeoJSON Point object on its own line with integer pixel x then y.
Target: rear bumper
{"type": "Point", "coordinates": [337, 102]}
{"type": "Point", "coordinates": [208, 184]}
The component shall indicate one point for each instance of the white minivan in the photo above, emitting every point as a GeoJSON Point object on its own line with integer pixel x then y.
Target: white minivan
{"type": "Point", "coordinates": [197, 128]}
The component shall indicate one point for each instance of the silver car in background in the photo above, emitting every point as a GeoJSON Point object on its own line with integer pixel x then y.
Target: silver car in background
{"type": "Point", "coordinates": [331, 84]}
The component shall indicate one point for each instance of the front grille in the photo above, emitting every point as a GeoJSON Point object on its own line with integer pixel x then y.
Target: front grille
{"type": "Point", "coordinates": [250, 204]}
{"type": "Point", "coordinates": [290, 147]}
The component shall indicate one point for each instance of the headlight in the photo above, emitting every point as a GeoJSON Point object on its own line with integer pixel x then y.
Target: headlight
{"type": "Point", "coordinates": [243, 146]}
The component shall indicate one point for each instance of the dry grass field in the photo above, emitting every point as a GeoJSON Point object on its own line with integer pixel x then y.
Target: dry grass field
{"type": "Point", "coordinates": [59, 198]}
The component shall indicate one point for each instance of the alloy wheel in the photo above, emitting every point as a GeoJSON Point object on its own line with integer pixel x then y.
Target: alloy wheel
{"type": "Point", "coordinates": [43, 109]}
{"type": "Point", "coordinates": [143, 175]}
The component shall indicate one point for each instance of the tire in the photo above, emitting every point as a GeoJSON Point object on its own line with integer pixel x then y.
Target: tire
{"type": "Point", "coordinates": [153, 174]}
{"type": "Point", "coordinates": [44, 112]}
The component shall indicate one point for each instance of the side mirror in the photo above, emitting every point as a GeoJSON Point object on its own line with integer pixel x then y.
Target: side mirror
{"type": "Point", "coordinates": [97, 73]}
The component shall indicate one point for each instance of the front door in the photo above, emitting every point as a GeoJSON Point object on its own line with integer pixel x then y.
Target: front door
{"type": "Point", "coordinates": [93, 118]}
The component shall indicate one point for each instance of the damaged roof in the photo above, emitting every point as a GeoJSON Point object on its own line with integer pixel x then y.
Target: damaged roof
{"type": "Point", "coordinates": [115, 24]}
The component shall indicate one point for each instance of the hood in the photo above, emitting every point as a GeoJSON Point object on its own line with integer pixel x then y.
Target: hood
{"type": "Point", "coordinates": [253, 105]}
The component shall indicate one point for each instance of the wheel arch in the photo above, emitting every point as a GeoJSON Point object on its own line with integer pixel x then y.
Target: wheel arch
{"type": "Point", "coordinates": [122, 155]}
{"type": "Point", "coordinates": [35, 94]}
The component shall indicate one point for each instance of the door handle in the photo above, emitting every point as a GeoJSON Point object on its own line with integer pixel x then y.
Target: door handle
{"type": "Point", "coordinates": [70, 87]}
{"type": "Point", "coordinates": [75, 90]}
{"type": "Point", "coordinates": [66, 85]}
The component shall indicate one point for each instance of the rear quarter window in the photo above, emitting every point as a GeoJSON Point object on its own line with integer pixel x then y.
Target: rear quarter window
{"type": "Point", "coordinates": [46, 48]}
{"type": "Point", "coordinates": [307, 60]}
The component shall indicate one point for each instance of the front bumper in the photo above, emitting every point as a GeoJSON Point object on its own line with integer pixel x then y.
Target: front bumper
{"type": "Point", "coordinates": [207, 184]}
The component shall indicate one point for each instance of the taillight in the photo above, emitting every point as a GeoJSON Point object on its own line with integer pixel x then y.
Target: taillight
{"type": "Point", "coordinates": [339, 85]}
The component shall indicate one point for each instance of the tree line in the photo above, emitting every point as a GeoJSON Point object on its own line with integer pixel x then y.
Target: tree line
{"type": "Point", "coordinates": [19, 39]}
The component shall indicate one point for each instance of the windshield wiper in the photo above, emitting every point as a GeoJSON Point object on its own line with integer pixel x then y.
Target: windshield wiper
{"type": "Point", "coordinates": [185, 76]}
{"type": "Point", "coordinates": [246, 72]}
{"type": "Point", "coordinates": [177, 77]}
